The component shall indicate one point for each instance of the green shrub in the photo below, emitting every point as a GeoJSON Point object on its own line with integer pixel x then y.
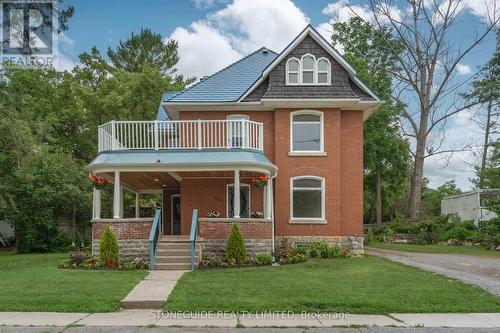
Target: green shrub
{"type": "Point", "coordinates": [236, 248]}
{"type": "Point", "coordinates": [264, 258]}
{"type": "Point", "coordinates": [369, 236]}
{"type": "Point", "coordinates": [497, 239]}
{"type": "Point", "coordinates": [108, 248]}
{"type": "Point", "coordinates": [313, 253]}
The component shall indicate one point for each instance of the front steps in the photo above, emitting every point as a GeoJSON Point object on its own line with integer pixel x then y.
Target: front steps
{"type": "Point", "coordinates": [174, 253]}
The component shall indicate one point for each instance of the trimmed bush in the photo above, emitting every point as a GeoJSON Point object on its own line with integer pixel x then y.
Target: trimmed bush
{"type": "Point", "coordinates": [235, 248]}
{"type": "Point", "coordinates": [108, 248]}
{"type": "Point", "coordinates": [369, 236]}
{"type": "Point", "coordinates": [264, 258]}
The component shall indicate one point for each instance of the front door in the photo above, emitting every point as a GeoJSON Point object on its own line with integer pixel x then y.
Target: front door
{"type": "Point", "coordinates": [176, 215]}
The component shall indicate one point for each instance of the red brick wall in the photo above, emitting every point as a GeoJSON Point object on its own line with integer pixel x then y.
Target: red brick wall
{"type": "Point", "coordinates": [210, 194]}
{"type": "Point", "coordinates": [222, 230]}
{"type": "Point", "coordinates": [123, 230]}
{"type": "Point", "coordinates": [342, 169]}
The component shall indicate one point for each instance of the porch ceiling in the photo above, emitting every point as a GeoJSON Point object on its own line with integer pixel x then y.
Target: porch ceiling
{"type": "Point", "coordinates": [146, 181]}
{"type": "Point", "coordinates": [218, 174]}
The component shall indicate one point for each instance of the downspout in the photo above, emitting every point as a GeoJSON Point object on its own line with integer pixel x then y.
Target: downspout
{"type": "Point", "coordinates": [271, 188]}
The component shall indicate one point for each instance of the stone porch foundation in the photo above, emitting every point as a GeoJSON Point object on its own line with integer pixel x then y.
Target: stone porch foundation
{"type": "Point", "coordinates": [132, 235]}
{"type": "Point", "coordinates": [353, 243]}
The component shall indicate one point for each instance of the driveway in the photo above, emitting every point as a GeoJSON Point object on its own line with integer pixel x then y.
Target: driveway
{"type": "Point", "coordinates": [480, 271]}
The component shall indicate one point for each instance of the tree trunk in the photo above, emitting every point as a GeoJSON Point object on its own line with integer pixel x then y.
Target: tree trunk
{"type": "Point", "coordinates": [73, 225]}
{"type": "Point", "coordinates": [416, 182]}
{"type": "Point", "coordinates": [486, 141]}
{"type": "Point", "coordinates": [378, 199]}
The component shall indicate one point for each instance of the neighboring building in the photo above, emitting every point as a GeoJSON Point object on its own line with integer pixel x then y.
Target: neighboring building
{"type": "Point", "coordinates": [470, 206]}
{"type": "Point", "coordinates": [295, 117]}
{"type": "Point", "coordinates": [6, 230]}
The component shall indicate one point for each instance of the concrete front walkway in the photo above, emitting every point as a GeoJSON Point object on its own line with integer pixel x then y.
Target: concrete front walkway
{"type": "Point", "coordinates": [153, 291]}
{"type": "Point", "coordinates": [142, 318]}
{"type": "Point", "coordinates": [483, 272]}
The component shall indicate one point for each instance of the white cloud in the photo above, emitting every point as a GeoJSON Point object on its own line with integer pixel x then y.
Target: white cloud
{"type": "Point", "coordinates": [203, 4]}
{"type": "Point", "coordinates": [234, 31]}
{"type": "Point", "coordinates": [343, 11]}
{"type": "Point", "coordinates": [65, 39]}
{"type": "Point", "coordinates": [463, 69]}
{"type": "Point", "coordinates": [326, 30]}
{"type": "Point", "coordinates": [63, 63]}
{"type": "Point", "coordinates": [203, 50]}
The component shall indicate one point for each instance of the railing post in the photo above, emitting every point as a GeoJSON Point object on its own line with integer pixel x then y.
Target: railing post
{"type": "Point", "coordinates": [244, 134]}
{"type": "Point", "coordinates": [261, 137]}
{"type": "Point", "coordinates": [156, 134]}
{"type": "Point", "coordinates": [199, 135]}
{"type": "Point", "coordinates": [113, 134]}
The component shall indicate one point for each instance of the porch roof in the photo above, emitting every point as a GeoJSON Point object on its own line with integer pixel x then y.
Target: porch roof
{"type": "Point", "coordinates": [182, 160]}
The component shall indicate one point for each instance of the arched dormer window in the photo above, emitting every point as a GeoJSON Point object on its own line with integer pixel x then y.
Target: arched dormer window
{"type": "Point", "coordinates": [308, 71]}
{"type": "Point", "coordinates": [292, 71]}
{"type": "Point", "coordinates": [323, 71]}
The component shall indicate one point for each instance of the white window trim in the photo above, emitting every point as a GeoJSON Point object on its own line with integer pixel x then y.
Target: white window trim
{"type": "Point", "coordinates": [306, 220]}
{"type": "Point", "coordinates": [249, 198]}
{"type": "Point", "coordinates": [314, 70]}
{"type": "Point", "coordinates": [328, 72]}
{"type": "Point", "coordinates": [320, 152]}
{"type": "Point", "coordinates": [288, 71]}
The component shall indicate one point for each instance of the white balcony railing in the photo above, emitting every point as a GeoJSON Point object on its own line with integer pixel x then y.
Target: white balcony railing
{"type": "Point", "coordinates": [181, 134]}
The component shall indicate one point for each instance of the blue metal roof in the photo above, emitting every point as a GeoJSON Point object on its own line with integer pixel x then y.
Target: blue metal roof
{"type": "Point", "coordinates": [181, 158]}
{"type": "Point", "coordinates": [228, 84]}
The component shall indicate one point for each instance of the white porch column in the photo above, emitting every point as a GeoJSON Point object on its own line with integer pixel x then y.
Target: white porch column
{"type": "Point", "coordinates": [236, 201]}
{"type": "Point", "coordinates": [268, 190]}
{"type": "Point", "coordinates": [121, 202]}
{"type": "Point", "coordinates": [137, 208]}
{"type": "Point", "coordinates": [97, 204]}
{"type": "Point", "coordinates": [117, 196]}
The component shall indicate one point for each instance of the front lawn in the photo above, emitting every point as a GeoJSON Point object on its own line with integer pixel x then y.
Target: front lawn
{"type": "Point", "coordinates": [369, 285]}
{"type": "Point", "coordinates": [437, 248]}
{"type": "Point", "coordinates": [32, 282]}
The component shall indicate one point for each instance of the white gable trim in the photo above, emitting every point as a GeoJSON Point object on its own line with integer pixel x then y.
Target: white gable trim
{"type": "Point", "coordinates": [309, 30]}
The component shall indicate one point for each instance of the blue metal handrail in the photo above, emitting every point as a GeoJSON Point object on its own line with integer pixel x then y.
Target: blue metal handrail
{"type": "Point", "coordinates": [154, 237]}
{"type": "Point", "coordinates": [192, 238]}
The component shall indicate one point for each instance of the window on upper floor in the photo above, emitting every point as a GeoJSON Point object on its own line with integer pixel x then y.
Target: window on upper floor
{"type": "Point", "coordinates": [306, 132]}
{"type": "Point", "coordinates": [308, 71]}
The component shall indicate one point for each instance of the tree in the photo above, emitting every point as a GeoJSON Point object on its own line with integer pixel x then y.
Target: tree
{"type": "Point", "coordinates": [48, 186]}
{"type": "Point", "coordinates": [386, 154]}
{"type": "Point", "coordinates": [486, 94]}
{"type": "Point", "coordinates": [145, 49]}
{"type": "Point", "coordinates": [490, 176]}
{"type": "Point", "coordinates": [425, 75]}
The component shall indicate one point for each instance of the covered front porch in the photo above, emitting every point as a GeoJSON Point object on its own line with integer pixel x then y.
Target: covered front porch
{"type": "Point", "coordinates": [219, 184]}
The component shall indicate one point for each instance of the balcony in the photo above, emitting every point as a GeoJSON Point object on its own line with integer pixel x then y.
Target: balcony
{"type": "Point", "coordinates": [181, 134]}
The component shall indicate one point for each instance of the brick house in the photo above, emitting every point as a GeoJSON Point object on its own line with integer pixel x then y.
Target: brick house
{"type": "Point", "coordinates": [295, 117]}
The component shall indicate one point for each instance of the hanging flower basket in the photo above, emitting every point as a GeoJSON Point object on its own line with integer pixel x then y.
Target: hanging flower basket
{"type": "Point", "coordinates": [261, 182]}
{"type": "Point", "coordinates": [99, 183]}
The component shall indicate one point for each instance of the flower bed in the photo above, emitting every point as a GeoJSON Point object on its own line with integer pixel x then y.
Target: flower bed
{"type": "Point", "coordinates": [79, 259]}
{"type": "Point", "coordinates": [262, 259]}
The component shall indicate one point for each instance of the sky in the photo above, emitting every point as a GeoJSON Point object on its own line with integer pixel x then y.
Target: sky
{"type": "Point", "coordinates": [214, 33]}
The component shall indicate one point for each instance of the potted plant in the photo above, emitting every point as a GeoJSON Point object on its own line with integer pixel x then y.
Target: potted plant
{"type": "Point", "coordinates": [261, 181]}
{"type": "Point", "coordinates": [99, 183]}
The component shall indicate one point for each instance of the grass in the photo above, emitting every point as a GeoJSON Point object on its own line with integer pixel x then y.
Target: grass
{"type": "Point", "coordinates": [437, 248]}
{"type": "Point", "coordinates": [369, 285]}
{"type": "Point", "coordinates": [32, 282]}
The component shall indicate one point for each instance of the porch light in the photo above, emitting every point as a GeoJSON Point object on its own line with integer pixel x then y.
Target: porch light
{"type": "Point", "coordinates": [157, 180]}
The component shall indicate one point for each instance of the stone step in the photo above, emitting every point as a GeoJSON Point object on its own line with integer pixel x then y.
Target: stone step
{"type": "Point", "coordinates": [173, 266]}
{"type": "Point", "coordinates": [174, 260]}
{"type": "Point", "coordinates": [176, 246]}
{"type": "Point", "coordinates": [174, 239]}
{"type": "Point", "coordinates": [162, 252]}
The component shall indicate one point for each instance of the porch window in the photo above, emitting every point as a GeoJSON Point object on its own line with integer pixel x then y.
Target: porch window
{"type": "Point", "coordinates": [307, 199]}
{"type": "Point", "coordinates": [244, 201]}
{"type": "Point", "coordinates": [306, 131]}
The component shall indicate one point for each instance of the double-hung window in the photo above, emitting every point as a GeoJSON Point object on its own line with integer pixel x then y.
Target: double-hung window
{"type": "Point", "coordinates": [307, 199]}
{"type": "Point", "coordinates": [306, 132]}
